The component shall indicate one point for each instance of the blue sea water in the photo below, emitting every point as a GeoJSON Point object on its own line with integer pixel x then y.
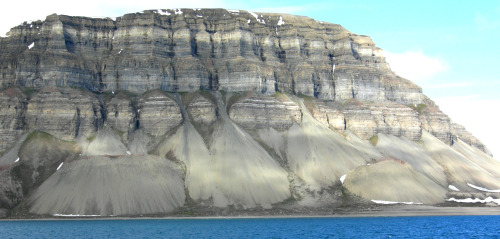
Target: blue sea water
{"type": "Point", "coordinates": [377, 227]}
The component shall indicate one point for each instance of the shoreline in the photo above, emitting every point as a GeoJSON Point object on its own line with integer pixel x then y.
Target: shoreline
{"type": "Point", "coordinates": [390, 211]}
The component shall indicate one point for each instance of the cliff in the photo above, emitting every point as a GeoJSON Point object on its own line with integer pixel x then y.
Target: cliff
{"type": "Point", "coordinates": [215, 112]}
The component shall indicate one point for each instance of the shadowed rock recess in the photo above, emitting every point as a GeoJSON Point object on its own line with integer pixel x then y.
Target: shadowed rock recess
{"type": "Point", "coordinates": [219, 112]}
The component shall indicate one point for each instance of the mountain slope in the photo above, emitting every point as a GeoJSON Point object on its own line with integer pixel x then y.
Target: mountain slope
{"type": "Point", "coordinates": [216, 112]}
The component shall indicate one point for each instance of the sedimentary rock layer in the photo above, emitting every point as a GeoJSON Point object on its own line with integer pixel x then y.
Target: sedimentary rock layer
{"type": "Point", "coordinates": [210, 111]}
{"type": "Point", "coordinates": [188, 50]}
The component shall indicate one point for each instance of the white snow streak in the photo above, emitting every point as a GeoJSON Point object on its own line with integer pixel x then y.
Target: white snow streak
{"type": "Point", "coordinates": [74, 215]}
{"type": "Point", "coordinates": [257, 17]}
{"type": "Point", "coordinates": [178, 11]}
{"type": "Point", "coordinates": [60, 165]}
{"type": "Point", "coordinates": [233, 11]}
{"type": "Point", "coordinates": [453, 188]}
{"type": "Point", "coordinates": [483, 189]}
{"type": "Point", "coordinates": [343, 178]}
{"type": "Point", "coordinates": [31, 45]}
{"type": "Point", "coordinates": [120, 51]}
{"type": "Point", "coordinates": [475, 200]}
{"type": "Point", "coordinates": [17, 160]}
{"type": "Point", "coordinates": [163, 12]}
{"type": "Point", "coordinates": [281, 22]}
{"type": "Point", "coordinates": [254, 15]}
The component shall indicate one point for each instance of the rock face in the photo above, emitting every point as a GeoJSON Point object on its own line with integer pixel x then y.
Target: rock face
{"type": "Point", "coordinates": [262, 112]}
{"type": "Point", "coordinates": [12, 115]}
{"type": "Point", "coordinates": [218, 112]}
{"type": "Point", "coordinates": [64, 113]}
{"type": "Point", "coordinates": [202, 111]}
{"type": "Point", "coordinates": [158, 113]}
{"type": "Point", "coordinates": [120, 114]}
{"type": "Point", "coordinates": [188, 50]}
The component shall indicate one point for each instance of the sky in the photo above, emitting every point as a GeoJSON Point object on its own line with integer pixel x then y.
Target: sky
{"type": "Point", "coordinates": [449, 48]}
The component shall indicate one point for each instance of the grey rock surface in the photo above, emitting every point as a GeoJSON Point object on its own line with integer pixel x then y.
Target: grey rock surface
{"type": "Point", "coordinates": [213, 111]}
{"type": "Point", "coordinates": [190, 49]}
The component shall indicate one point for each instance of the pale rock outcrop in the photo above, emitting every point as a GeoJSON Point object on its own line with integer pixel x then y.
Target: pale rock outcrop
{"type": "Point", "coordinates": [64, 112]}
{"type": "Point", "coordinates": [202, 111]}
{"type": "Point", "coordinates": [437, 123]}
{"type": "Point", "coordinates": [158, 113]}
{"type": "Point", "coordinates": [120, 114]}
{"type": "Point", "coordinates": [260, 112]}
{"type": "Point", "coordinates": [366, 119]}
{"type": "Point", "coordinates": [330, 116]}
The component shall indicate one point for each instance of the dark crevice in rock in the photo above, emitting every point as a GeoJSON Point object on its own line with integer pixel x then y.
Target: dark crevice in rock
{"type": "Point", "coordinates": [77, 122]}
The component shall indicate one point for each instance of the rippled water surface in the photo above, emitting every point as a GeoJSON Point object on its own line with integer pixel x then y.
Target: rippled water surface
{"type": "Point", "coordinates": [379, 227]}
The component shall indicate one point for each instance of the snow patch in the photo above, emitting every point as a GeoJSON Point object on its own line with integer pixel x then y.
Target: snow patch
{"type": "Point", "coordinates": [281, 22]}
{"type": "Point", "coordinates": [17, 160]}
{"type": "Point", "coordinates": [254, 15]}
{"type": "Point", "coordinates": [483, 189]}
{"type": "Point", "coordinates": [129, 153]}
{"type": "Point", "coordinates": [343, 178]}
{"type": "Point", "coordinates": [120, 51]}
{"type": "Point", "coordinates": [451, 187]}
{"type": "Point", "coordinates": [475, 200]}
{"type": "Point", "coordinates": [178, 11]}
{"type": "Point", "coordinates": [249, 21]}
{"type": "Point", "coordinates": [60, 165]}
{"type": "Point", "coordinates": [163, 12]}
{"type": "Point", "coordinates": [234, 11]}
{"type": "Point", "coordinates": [74, 215]}
{"type": "Point", "coordinates": [199, 15]}
{"type": "Point", "coordinates": [257, 17]}
{"type": "Point", "coordinates": [261, 20]}
{"type": "Point", "coordinates": [31, 45]}
{"type": "Point", "coordinates": [391, 202]}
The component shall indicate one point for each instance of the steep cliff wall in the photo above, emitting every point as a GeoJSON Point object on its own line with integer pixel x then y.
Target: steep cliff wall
{"type": "Point", "coordinates": [214, 111]}
{"type": "Point", "coordinates": [188, 50]}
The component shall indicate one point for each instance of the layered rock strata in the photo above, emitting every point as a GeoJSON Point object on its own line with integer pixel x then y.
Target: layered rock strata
{"type": "Point", "coordinates": [262, 112]}
{"type": "Point", "coordinates": [63, 112]}
{"type": "Point", "coordinates": [188, 50]}
{"type": "Point", "coordinates": [158, 113]}
{"type": "Point", "coordinates": [211, 111]}
{"type": "Point", "coordinates": [12, 116]}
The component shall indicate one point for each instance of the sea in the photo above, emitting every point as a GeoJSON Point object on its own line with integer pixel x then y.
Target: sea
{"type": "Point", "coordinates": [363, 227]}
